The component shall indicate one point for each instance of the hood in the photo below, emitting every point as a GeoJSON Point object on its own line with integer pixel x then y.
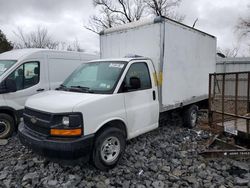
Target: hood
{"type": "Point", "coordinates": [60, 101]}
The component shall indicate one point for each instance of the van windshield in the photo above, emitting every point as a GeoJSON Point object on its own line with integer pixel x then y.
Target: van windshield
{"type": "Point", "coordinates": [94, 77]}
{"type": "Point", "coordinates": [5, 65]}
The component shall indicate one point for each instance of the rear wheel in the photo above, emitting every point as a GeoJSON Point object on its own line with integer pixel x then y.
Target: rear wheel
{"type": "Point", "coordinates": [190, 116]}
{"type": "Point", "coordinates": [108, 148]}
{"type": "Point", "coordinates": [7, 125]}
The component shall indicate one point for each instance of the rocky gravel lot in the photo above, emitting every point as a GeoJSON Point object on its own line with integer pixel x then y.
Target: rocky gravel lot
{"type": "Point", "coordinates": [166, 157]}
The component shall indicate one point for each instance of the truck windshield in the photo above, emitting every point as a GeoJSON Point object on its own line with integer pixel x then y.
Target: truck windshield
{"type": "Point", "coordinates": [94, 77]}
{"type": "Point", "coordinates": [5, 65]}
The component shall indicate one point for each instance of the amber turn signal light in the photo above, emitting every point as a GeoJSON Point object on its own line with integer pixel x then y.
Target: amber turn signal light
{"type": "Point", "coordinates": [66, 132]}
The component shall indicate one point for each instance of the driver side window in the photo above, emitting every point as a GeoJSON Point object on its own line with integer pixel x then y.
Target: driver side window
{"type": "Point", "coordinates": [26, 75]}
{"type": "Point", "coordinates": [139, 70]}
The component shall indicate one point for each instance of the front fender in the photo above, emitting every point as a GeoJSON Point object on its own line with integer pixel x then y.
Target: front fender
{"type": "Point", "coordinates": [111, 120]}
{"type": "Point", "coordinates": [101, 110]}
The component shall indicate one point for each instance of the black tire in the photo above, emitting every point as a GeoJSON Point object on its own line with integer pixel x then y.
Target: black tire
{"type": "Point", "coordinates": [98, 155]}
{"type": "Point", "coordinates": [7, 125]}
{"type": "Point", "coordinates": [190, 116]}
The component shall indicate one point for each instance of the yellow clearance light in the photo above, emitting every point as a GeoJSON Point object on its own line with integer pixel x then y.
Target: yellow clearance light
{"type": "Point", "coordinates": [66, 132]}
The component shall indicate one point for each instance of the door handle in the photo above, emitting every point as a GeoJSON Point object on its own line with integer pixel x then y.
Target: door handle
{"type": "Point", "coordinates": [154, 97]}
{"type": "Point", "coordinates": [40, 90]}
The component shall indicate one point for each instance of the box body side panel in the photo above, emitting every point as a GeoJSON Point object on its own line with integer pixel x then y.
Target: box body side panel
{"type": "Point", "coordinates": [189, 57]}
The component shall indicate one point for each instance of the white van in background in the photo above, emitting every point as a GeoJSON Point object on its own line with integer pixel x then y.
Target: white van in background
{"type": "Point", "coordinates": [26, 72]}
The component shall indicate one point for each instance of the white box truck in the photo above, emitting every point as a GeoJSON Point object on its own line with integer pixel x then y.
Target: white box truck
{"type": "Point", "coordinates": [26, 72]}
{"type": "Point", "coordinates": [108, 101]}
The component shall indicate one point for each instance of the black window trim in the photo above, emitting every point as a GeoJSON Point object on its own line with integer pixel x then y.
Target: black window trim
{"type": "Point", "coordinates": [38, 62]}
{"type": "Point", "coordinates": [133, 90]}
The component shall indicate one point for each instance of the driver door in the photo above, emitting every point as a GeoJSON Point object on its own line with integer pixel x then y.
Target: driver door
{"type": "Point", "coordinates": [142, 106]}
{"type": "Point", "coordinates": [29, 81]}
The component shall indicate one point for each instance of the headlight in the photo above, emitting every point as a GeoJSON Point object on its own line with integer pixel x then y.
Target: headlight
{"type": "Point", "coordinates": [71, 120]}
{"type": "Point", "coordinates": [67, 125]}
{"type": "Point", "coordinates": [65, 121]}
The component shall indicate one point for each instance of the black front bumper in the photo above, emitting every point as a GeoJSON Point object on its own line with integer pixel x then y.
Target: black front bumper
{"type": "Point", "coordinates": [57, 148]}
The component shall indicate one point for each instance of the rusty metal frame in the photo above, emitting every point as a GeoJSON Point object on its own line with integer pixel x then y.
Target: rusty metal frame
{"type": "Point", "coordinates": [229, 150]}
{"type": "Point", "coordinates": [226, 153]}
{"type": "Point", "coordinates": [210, 114]}
{"type": "Point", "coordinates": [248, 101]}
{"type": "Point", "coordinates": [223, 99]}
{"type": "Point", "coordinates": [212, 87]}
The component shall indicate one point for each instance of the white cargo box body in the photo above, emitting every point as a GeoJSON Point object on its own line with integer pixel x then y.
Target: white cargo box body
{"type": "Point", "coordinates": [183, 56]}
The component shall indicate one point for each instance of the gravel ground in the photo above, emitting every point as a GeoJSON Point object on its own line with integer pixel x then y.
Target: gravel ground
{"type": "Point", "coordinates": [166, 157]}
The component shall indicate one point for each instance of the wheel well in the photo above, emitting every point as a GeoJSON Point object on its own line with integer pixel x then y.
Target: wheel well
{"type": "Point", "coordinates": [9, 112]}
{"type": "Point", "coordinates": [203, 104]}
{"type": "Point", "coordinates": [114, 123]}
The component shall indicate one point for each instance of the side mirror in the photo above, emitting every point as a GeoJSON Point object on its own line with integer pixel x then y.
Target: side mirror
{"type": "Point", "coordinates": [11, 85]}
{"type": "Point", "coordinates": [135, 83]}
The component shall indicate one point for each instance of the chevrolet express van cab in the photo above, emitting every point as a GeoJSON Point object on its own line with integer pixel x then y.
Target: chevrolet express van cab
{"type": "Point", "coordinates": [105, 102]}
{"type": "Point", "coordinates": [26, 72]}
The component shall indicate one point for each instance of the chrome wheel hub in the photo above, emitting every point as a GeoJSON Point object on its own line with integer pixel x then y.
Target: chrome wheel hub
{"type": "Point", "coordinates": [110, 149]}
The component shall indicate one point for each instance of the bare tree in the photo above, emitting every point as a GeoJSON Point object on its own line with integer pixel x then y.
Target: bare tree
{"type": "Point", "coordinates": [117, 12]}
{"type": "Point", "coordinates": [165, 8]}
{"type": "Point", "coordinates": [243, 26]}
{"type": "Point", "coordinates": [104, 20]}
{"type": "Point", "coordinates": [75, 46]}
{"type": "Point", "coordinates": [229, 52]}
{"type": "Point", "coordinates": [243, 29]}
{"type": "Point", "coordinates": [39, 38]}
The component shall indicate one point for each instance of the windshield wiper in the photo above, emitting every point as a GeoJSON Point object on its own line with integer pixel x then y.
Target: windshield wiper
{"type": "Point", "coordinates": [61, 87]}
{"type": "Point", "coordinates": [81, 88]}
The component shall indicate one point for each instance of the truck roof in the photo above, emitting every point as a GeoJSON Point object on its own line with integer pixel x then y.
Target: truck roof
{"type": "Point", "coordinates": [155, 20]}
{"type": "Point", "coordinates": [127, 59]}
{"type": "Point", "coordinates": [18, 53]}
{"type": "Point", "coordinates": [21, 53]}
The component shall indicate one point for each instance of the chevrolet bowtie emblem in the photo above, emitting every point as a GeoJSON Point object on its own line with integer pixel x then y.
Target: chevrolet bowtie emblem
{"type": "Point", "coordinates": [33, 119]}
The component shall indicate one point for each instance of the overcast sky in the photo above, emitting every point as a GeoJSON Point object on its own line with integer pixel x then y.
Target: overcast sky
{"type": "Point", "coordinates": [65, 19]}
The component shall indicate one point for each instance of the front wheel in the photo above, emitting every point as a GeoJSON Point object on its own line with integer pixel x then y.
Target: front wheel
{"type": "Point", "coordinates": [108, 148]}
{"type": "Point", "coordinates": [7, 125]}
